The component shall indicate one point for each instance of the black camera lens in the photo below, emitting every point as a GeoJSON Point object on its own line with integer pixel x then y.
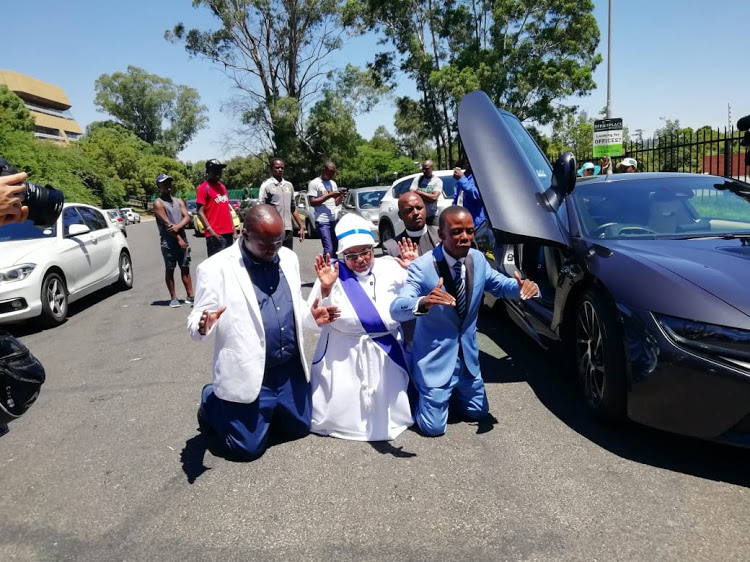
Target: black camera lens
{"type": "Point", "coordinates": [45, 203]}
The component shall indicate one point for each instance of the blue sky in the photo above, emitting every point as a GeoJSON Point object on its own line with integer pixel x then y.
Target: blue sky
{"type": "Point", "coordinates": [676, 59]}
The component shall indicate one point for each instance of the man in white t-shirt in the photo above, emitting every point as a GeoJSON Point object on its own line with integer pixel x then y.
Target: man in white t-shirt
{"type": "Point", "coordinates": [325, 197]}
{"type": "Point", "coordinates": [429, 188]}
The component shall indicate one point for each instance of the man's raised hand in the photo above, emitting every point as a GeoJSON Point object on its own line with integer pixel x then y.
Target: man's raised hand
{"type": "Point", "coordinates": [409, 252]}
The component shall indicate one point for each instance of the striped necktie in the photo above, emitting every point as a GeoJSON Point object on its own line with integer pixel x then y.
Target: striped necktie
{"type": "Point", "coordinates": [460, 291]}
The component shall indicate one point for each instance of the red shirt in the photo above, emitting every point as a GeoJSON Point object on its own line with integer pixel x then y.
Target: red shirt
{"type": "Point", "coordinates": [213, 197]}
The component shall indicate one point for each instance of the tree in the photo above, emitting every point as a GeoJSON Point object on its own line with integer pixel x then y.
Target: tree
{"type": "Point", "coordinates": [274, 53]}
{"type": "Point", "coordinates": [525, 54]}
{"type": "Point", "coordinates": [13, 113]}
{"type": "Point", "coordinates": [158, 111]}
{"type": "Point", "coordinates": [574, 133]}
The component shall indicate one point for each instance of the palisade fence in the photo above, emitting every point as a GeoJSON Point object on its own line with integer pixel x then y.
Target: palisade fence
{"type": "Point", "coordinates": [705, 151]}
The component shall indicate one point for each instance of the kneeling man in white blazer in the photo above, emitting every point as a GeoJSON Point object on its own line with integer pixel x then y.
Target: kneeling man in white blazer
{"type": "Point", "coordinates": [249, 296]}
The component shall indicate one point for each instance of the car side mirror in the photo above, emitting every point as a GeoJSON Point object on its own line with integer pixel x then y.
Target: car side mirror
{"type": "Point", "coordinates": [78, 229]}
{"type": "Point", "coordinates": [563, 180]}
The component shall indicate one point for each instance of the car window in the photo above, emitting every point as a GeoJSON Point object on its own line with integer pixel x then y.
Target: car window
{"type": "Point", "coordinates": [534, 155]}
{"type": "Point", "coordinates": [71, 217]}
{"type": "Point", "coordinates": [449, 186]}
{"type": "Point", "coordinates": [668, 207]}
{"type": "Point", "coordinates": [370, 199]}
{"type": "Point", "coordinates": [401, 187]}
{"type": "Point", "coordinates": [93, 218]}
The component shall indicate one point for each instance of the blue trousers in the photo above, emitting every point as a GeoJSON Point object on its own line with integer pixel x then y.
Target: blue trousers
{"type": "Point", "coordinates": [464, 393]}
{"type": "Point", "coordinates": [328, 237]}
{"type": "Point", "coordinates": [282, 411]}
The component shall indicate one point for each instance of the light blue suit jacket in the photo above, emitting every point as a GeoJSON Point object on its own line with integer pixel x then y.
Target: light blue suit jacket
{"type": "Point", "coordinates": [438, 335]}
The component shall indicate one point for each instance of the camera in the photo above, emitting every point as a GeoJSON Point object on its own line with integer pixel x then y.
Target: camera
{"type": "Point", "coordinates": [45, 203]}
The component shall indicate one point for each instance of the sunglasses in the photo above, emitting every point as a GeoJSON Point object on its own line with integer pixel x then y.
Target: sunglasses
{"type": "Point", "coordinates": [362, 254]}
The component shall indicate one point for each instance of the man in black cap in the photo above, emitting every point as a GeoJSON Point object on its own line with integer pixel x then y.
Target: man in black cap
{"type": "Point", "coordinates": [171, 218]}
{"type": "Point", "coordinates": [213, 209]}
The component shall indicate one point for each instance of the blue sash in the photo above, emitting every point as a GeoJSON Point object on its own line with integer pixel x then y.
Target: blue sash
{"type": "Point", "coordinates": [369, 316]}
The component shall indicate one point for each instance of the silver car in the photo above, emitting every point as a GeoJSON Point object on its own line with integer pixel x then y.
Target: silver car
{"type": "Point", "coordinates": [364, 201]}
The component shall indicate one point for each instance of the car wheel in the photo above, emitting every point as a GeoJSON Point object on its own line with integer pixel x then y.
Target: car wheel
{"type": "Point", "coordinates": [600, 357]}
{"type": "Point", "coordinates": [386, 231]}
{"type": "Point", "coordinates": [54, 299]}
{"type": "Point", "coordinates": [125, 280]}
{"type": "Point", "coordinates": [309, 230]}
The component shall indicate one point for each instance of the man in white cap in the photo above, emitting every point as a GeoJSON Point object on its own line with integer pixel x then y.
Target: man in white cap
{"type": "Point", "coordinates": [627, 165]}
{"type": "Point", "coordinates": [359, 372]}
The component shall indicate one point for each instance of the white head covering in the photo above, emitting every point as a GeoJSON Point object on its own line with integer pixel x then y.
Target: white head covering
{"type": "Point", "coordinates": [353, 230]}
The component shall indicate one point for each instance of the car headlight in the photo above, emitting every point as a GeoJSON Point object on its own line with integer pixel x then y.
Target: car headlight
{"type": "Point", "coordinates": [16, 273]}
{"type": "Point", "coordinates": [708, 338]}
{"type": "Point", "coordinates": [366, 215]}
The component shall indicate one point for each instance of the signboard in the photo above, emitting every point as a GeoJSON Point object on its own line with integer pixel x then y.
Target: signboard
{"type": "Point", "coordinates": [608, 137]}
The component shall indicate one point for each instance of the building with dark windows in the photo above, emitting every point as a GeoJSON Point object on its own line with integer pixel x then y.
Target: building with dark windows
{"type": "Point", "coordinates": [48, 105]}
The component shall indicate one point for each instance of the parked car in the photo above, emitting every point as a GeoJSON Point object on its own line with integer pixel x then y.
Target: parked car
{"type": "Point", "coordinates": [389, 222]}
{"type": "Point", "coordinates": [192, 208]}
{"type": "Point", "coordinates": [245, 206]}
{"type": "Point", "coordinates": [643, 277]}
{"type": "Point", "coordinates": [306, 214]}
{"type": "Point", "coordinates": [116, 218]}
{"type": "Point", "coordinates": [235, 204]}
{"type": "Point", "coordinates": [42, 270]}
{"type": "Point", "coordinates": [365, 202]}
{"type": "Point", "coordinates": [198, 223]}
{"type": "Point", "coordinates": [131, 215]}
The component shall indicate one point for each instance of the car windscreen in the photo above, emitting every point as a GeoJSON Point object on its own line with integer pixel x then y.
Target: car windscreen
{"type": "Point", "coordinates": [370, 199]}
{"type": "Point", "coordinates": [670, 207]}
{"type": "Point", "coordinates": [26, 230]}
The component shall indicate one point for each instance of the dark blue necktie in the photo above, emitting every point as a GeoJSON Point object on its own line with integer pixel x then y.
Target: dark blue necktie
{"type": "Point", "coordinates": [460, 291]}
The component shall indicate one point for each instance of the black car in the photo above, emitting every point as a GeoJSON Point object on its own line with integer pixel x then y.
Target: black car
{"type": "Point", "coordinates": [643, 277]}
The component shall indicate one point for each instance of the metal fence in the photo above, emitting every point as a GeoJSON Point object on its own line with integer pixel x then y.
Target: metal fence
{"type": "Point", "coordinates": [706, 151]}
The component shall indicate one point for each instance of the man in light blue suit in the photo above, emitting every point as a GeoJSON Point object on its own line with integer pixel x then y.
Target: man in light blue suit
{"type": "Point", "coordinates": [445, 358]}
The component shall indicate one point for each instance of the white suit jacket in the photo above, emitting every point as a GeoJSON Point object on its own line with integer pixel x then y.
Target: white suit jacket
{"type": "Point", "coordinates": [240, 346]}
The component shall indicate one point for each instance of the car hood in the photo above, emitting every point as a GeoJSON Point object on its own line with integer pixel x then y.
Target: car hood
{"type": "Point", "coordinates": [717, 267]}
{"type": "Point", "coordinates": [20, 251]}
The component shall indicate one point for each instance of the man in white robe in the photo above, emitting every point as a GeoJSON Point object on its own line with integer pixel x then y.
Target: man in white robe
{"type": "Point", "coordinates": [359, 372]}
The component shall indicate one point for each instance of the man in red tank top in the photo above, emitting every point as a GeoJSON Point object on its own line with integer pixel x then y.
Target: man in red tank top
{"type": "Point", "coordinates": [214, 210]}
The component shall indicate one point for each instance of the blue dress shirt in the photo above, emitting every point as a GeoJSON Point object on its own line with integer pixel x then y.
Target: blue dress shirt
{"type": "Point", "coordinates": [276, 309]}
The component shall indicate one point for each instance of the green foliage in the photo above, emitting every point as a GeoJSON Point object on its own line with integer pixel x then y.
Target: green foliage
{"type": "Point", "coordinates": [13, 113]}
{"type": "Point", "coordinates": [273, 51]}
{"type": "Point", "coordinates": [525, 54]}
{"type": "Point", "coordinates": [158, 111]}
{"type": "Point", "coordinates": [573, 133]}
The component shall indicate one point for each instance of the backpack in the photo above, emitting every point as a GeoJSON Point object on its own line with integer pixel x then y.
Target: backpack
{"type": "Point", "coordinates": [21, 377]}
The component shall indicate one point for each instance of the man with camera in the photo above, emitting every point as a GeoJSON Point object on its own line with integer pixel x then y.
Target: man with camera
{"type": "Point", "coordinates": [21, 374]}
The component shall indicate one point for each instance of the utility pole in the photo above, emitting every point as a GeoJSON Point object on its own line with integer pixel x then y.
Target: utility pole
{"type": "Point", "coordinates": [729, 115]}
{"type": "Point", "coordinates": [609, 63]}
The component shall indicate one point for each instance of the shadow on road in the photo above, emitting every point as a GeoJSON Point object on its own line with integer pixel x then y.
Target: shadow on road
{"type": "Point", "coordinates": [557, 390]}
{"type": "Point", "coordinates": [192, 457]}
{"type": "Point", "coordinates": [37, 325]}
{"type": "Point", "coordinates": [385, 448]}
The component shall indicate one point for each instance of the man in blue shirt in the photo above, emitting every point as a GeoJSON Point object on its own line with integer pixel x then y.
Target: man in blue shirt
{"type": "Point", "coordinates": [472, 202]}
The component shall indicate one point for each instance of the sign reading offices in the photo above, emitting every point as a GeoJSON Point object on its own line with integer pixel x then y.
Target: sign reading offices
{"type": "Point", "coordinates": [608, 137]}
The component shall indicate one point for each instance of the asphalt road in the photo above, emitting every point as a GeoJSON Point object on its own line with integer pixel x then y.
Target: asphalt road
{"type": "Point", "coordinates": [108, 464]}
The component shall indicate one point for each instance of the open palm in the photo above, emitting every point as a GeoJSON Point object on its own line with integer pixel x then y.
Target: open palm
{"type": "Point", "coordinates": [327, 273]}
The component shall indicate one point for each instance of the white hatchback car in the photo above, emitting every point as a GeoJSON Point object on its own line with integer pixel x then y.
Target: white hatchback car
{"type": "Point", "coordinates": [389, 222]}
{"type": "Point", "coordinates": [131, 215]}
{"type": "Point", "coordinates": [42, 270]}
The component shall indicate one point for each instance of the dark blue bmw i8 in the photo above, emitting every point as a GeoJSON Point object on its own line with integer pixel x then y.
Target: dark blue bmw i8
{"type": "Point", "coordinates": [644, 278]}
